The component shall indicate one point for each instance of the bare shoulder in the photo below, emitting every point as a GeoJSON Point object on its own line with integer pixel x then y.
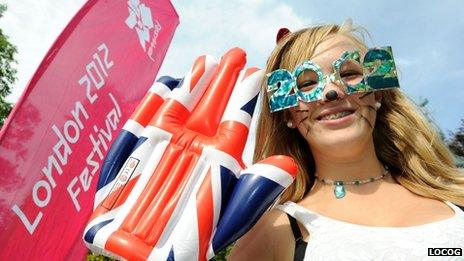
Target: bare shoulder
{"type": "Point", "coordinates": [270, 239]}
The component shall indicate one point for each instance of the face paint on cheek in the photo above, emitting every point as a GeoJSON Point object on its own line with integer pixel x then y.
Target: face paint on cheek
{"type": "Point", "coordinates": [305, 128]}
{"type": "Point", "coordinates": [302, 120]}
{"type": "Point", "coordinates": [362, 103]}
{"type": "Point", "coordinates": [365, 95]}
{"type": "Point", "coordinates": [367, 120]}
{"type": "Point", "coordinates": [367, 104]}
{"type": "Point", "coordinates": [304, 117]}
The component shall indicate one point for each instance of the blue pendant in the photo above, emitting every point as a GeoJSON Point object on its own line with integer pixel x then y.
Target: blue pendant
{"type": "Point", "coordinates": [339, 189]}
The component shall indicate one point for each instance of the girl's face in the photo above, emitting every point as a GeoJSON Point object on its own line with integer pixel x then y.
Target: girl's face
{"type": "Point", "coordinates": [340, 126]}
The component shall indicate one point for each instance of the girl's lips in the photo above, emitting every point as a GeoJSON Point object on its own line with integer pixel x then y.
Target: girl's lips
{"type": "Point", "coordinates": [337, 115]}
{"type": "Point", "coordinates": [337, 122]}
{"type": "Point", "coordinates": [328, 112]}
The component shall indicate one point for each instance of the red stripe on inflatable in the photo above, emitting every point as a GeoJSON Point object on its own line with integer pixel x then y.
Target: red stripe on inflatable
{"type": "Point", "coordinates": [198, 71]}
{"type": "Point", "coordinates": [165, 200]}
{"type": "Point", "coordinates": [128, 246]}
{"type": "Point", "coordinates": [206, 116]}
{"type": "Point", "coordinates": [171, 116]}
{"type": "Point", "coordinates": [147, 108]}
{"type": "Point", "coordinates": [118, 197]}
{"type": "Point", "coordinates": [284, 162]}
{"type": "Point", "coordinates": [231, 138]}
{"type": "Point", "coordinates": [152, 187]}
{"type": "Point", "coordinates": [205, 215]}
{"type": "Point", "coordinates": [249, 72]}
{"type": "Point", "coordinates": [162, 210]}
{"type": "Point", "coordinates": [114, 200]}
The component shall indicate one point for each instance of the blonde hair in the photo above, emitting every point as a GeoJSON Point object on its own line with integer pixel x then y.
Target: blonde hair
{"type": "Point", "coordinates": [404, 140]}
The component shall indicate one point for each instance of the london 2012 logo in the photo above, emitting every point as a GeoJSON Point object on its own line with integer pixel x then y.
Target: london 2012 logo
{"type": "Point", "coordinates": [140, 18]}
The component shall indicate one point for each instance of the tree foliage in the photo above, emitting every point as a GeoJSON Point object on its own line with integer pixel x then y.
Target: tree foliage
{"type": "Point", "coordinates": [221, 256]}
{"type": "Point", "coordinates": [7, 70]}
{"type": "Point", "coordinates": [456, 140]}
{"type": "Point", "coordinates": [423, 107]}
{"type": "Point", "coordinates": [456, 144]}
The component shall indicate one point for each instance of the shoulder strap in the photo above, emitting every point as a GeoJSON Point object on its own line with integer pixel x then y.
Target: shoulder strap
{"type": "Point", "coordinates": [300, 245]}
{"type": "Point", "coordinates": [459, 210]}
{"type": "Point", "coordinates": [295, 229]}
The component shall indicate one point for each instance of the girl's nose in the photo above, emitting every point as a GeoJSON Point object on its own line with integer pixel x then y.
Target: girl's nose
{"type": "Point", "coordinates": [332, 91]}
{"type": "Point", "coordinates": [331, 95]}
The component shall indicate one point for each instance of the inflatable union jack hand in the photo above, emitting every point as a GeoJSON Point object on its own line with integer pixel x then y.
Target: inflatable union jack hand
{"type": "Point", "coordinates": [182, 193]}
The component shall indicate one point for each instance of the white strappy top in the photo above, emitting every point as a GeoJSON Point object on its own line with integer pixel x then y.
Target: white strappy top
{"type": "Point", "coordinates": [332, 239]}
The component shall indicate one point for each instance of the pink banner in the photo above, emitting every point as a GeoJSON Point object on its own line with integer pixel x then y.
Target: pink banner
{"type": "Point", "coordinates": [52, 145]}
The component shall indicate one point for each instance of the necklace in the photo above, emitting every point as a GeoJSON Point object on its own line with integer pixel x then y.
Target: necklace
{"type": "Point", "coordinates": [339, 189]}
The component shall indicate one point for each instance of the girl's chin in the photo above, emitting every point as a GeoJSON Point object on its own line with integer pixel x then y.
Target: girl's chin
{"type": "Point", "coordinates": [340, 137]}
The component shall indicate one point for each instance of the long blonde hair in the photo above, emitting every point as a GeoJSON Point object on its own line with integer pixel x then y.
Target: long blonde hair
{"type": "Point", "coordinates": [404, 140]}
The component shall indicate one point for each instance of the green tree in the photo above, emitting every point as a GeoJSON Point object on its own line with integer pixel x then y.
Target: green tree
{"type": "Point", "coordinates": [222, 255]}
{"type": "Point", "coordinates": [423, 106]}
{"type": "Point", "coordinates": [456, 144]}
{"type": "Point", "coordinates": [456, 141]}
{"type": "Point", "coordinates": [7, 71]}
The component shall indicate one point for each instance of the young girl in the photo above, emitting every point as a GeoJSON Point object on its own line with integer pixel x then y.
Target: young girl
{"type": "Point", "coordinates": [375, 181]}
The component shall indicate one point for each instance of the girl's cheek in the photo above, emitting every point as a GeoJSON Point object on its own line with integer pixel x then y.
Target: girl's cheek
{"type": "Point", "coordinates": [302, 110]}
{"type": "Point", "coordinates": [362, 99]}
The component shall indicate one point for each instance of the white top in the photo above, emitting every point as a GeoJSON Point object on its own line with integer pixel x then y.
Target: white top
{"type": "Point", "coordinates": [332, 239]}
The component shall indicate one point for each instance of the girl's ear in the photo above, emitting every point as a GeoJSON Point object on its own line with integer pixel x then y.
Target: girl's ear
{"type": "Point", "coordinates": [289, 119]}
{"type": "Point", "coordinates": [378, 100]}
{"type": "Point", "coordinates": [378, 96]}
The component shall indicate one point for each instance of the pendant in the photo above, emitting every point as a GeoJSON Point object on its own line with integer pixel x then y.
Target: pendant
{"type": "Point", "coordinates": [339, 189]}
